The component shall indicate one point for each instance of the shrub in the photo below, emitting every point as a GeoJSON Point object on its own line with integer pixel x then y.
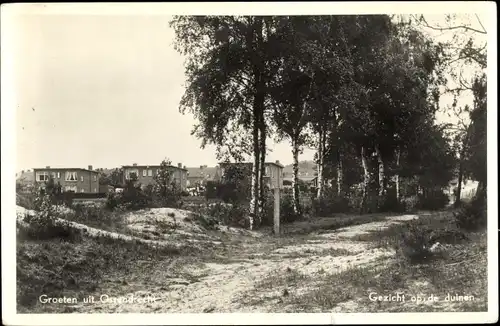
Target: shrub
{"type": "Point", "coordinates": [473, 215]}
{"type": "Point", "coordinates": [326, 206]}
{"type": "Point", "coordinates": [415, 242]}
{"type": "Point", "coordinates": [434, 201]}
{"type": "Point", "coordinates": [211, 190]}
{"type": "Point", "coordinates": [410, 203]}
{"type": "Point", "coordinates": [131, 198]}
{"type": "Point", "coordinates": [287, 213]}
{"type": "Point", "coordinates": [227, 214]}
{"type": "Point", "coordinates": [42, 225]}
{"type": "Point", "coordinates": [390, 203]}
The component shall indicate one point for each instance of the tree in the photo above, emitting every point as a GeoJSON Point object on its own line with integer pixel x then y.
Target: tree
{"type": "Point", "coordinates": [226, 81]}
{"type": "Point", "coordinates": [164, 186]}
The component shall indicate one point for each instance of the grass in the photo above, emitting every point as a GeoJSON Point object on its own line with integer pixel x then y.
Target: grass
{"type": "Point", "coordinates": [56, 268]}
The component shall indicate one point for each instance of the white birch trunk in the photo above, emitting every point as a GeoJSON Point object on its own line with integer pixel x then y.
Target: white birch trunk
{"type": "Point", "coordinates": [296, 198]}
{"type": "Point", "coordinates": [381, 172]}
{"type": "Point", "coordinates": [398, 154]}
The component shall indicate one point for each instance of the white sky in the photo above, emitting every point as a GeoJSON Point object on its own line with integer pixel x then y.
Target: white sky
{"type": "Point", "coordinates": [105, 91]}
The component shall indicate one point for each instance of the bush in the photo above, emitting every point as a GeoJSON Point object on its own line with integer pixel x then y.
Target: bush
{"type": "Point", "coordinates": [390, 203]}
{"type": "Point", "coordinates": [211, 190]}
{"type": "Point", "coordinates": [410, 203]}
{"type": "Point", "coordinates": [415, 242]}
{"type": "Point", "coordinates": [287, 213]}
{"type": "Point", "coordinates": [132, 198]}
{"type": "Point", "coordinates": [327, 206]}
{"type": "Point", "coordinates": [434, 201]}
{"type": "Point", "coordinates": [42, 225]}
{"type": "Point", "coordinates": [473, 215]}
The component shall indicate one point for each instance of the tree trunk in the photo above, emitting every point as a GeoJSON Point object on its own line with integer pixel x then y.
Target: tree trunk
{"type": "Point", "coordinates": [321, 154]}
{"type": "Point", "coordinates": [255, 34]}
{"type": "Point", "coordinates": [255, 179]}
{"type": "Point", "coordinates": [460, 177]}
{"type": "Point", "coordinates": [296, 191]}
{"type": "Point", "coordinates": [381, 172]}
{"type": "Point", "coordinates": [398, 154]}
{"type": "Point", "coordinates": [340, 173]}
{"type": "Point", "coordinates": [366, 180]}
{"type": "Point", "coordinates": [262, 168]}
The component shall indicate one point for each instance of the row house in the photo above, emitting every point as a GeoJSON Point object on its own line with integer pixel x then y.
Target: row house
{"type": "Point", "coordinates": [144, 174]}
{"type": "Point", "coordinates": [70, 179]}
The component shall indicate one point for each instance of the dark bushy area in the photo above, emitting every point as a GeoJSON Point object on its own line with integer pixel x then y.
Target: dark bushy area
{"type": "Point", "coordinates": [472, 215]}
{"type": "Point", "coordinates": [414, 240]}
{"type": "Point", "coordinates": [330, 205]}
{"type": "Point", "coordinates": [433, 201]}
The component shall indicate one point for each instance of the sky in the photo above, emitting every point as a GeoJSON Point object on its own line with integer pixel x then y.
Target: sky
{"type": "Point", "coordinates": [104, 91]}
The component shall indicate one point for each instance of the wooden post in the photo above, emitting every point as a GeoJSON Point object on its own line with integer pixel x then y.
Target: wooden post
{"type": "Point", "coordinates": [277, 210]}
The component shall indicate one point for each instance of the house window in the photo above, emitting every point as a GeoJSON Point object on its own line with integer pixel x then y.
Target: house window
{"type": "Point", "coordinates": [132, 173]}
{"type": "Point", "coordinates": [71, 176]}
{"type": "Point", "coordinates": [54, 175]}
{"type": "Point", "coordinates": [95, 189]}
{"type": "Point", "coordinates": [267, 170]}
{"type": "Point", "coordinates": [42, 176]}
{"type": "Point", "coordinates": [81, 178]}
{"type": "Point", "coordinates": [58, 175]}
{"type": "Point", "coordinates": [70, 188]}
{"type": "Point", "coordinates": [144, 172]}
{"type": "Point", "coordinates": [95, 178]}
{"type": "Point", "coordinates": [150, 173]}
{"type": "Point", "coordinates": [82, 190]}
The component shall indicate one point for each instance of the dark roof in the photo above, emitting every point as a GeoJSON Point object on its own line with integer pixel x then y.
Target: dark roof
{"type": "Point", "coordinates": [201, 173]}
{"type": "Point", "coordinates": [59, 169]}
{"type": "Point", "coordinates": [151, 166]}
{"type": "Point", "coordinates": [274, 163]}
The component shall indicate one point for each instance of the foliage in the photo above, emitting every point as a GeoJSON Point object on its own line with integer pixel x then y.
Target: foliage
{"type": "Point", "coordinates": [166, 191]}
{"type": "Point", "coordinates": [434, 200]}
{"type": "Point", "coordinates": [472, 215]}
{"type": "Point", "coordinates": [112, 179]}
{"type": "Point", "coordinates": [228, 214]}
{"type": "Point", "coordinates": [415, 241]}
{"type": "Point", "coordinates": [43, 224]}
{"type": "Point", "coordinates": [330, 203]}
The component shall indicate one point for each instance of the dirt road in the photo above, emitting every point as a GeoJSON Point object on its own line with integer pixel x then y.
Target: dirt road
{"type": "Point", "coordinates": [228, 280]}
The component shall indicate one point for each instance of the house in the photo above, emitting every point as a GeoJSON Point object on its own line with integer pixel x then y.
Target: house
{"type": "Point", "coordinates": [145, 174]}
{"type": "Point", "coordinates": [70, 179]}
{"type": "Point", "coordinates": [198, 176]}
{"type": "Point", "coordinates": [273, 175]}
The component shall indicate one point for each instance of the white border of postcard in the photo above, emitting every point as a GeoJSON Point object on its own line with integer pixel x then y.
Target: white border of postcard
{"type": "Point", "coordinates": [8, 18]}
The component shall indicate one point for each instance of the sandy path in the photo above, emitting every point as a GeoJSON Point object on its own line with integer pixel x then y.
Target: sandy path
{"type": "Point", "coordinates": [220, 285]}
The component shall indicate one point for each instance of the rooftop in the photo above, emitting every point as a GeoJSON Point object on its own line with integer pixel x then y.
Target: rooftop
{"type": "Point", "coordinates": [152, 166]}
{"type": "Point", "coordinates": [48, 168]}
{"type": "Point", "coordinates": [277, 163]}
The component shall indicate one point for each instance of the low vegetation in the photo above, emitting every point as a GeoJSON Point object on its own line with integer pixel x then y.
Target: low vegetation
{"type": "Point", "coordinates": [454, 270]}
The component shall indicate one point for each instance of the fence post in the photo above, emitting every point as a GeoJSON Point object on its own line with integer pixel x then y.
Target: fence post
{"type": "Point", "coordinates": [277, 210]}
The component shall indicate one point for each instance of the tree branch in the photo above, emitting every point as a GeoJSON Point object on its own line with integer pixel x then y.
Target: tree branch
{"type": "Point", "coordinates": [451, 27]}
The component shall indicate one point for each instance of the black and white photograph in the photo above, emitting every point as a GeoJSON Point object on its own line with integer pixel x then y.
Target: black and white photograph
{"type": "Point", "coordinates": [249, 163]}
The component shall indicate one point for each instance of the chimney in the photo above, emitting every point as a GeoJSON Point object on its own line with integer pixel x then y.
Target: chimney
{"type": "Point", "coordinates": [47, 167]}
{"type": "Point", "coordinates": [201, 167]}
{"type": "Point", "coordinates": [135, 164]}
{"type": "Point", "coordinates": [185, 167]}
{"type": "Point", "coordinates": [90, 167]}
{"type": "Point", "coordinates": [277, 162]}
{"type": "Point", "coordinates": [179, 165]}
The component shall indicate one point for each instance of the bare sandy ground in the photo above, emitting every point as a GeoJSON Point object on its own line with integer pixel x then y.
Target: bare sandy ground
{"type": "Point", "coordinates": [221, 285]}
